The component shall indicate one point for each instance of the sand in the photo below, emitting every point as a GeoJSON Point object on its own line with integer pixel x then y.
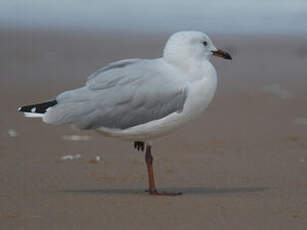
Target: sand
{"type": "Point", "coordinates": [242, 165]}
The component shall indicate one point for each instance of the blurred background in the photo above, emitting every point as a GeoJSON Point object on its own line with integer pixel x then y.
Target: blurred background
{"type": "Point", "coordinates": [242, 165]}
{"type": "Point", "coordinates": [220, 16]}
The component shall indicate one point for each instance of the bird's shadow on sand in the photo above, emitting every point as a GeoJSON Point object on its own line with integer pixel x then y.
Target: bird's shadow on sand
{"type": "Point", "coordinates": [185, 190]}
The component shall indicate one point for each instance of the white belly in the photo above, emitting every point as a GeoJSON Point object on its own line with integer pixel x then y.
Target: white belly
{"type": "Point", "coordinates": [200, 94]}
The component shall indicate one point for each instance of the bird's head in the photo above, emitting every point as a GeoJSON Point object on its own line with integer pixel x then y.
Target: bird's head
{"type": "Point", "coordinates": [187, 45]}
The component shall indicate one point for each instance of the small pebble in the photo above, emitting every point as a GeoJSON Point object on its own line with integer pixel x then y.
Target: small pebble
{"type": "Point", "coordinates": [98, 158]}
{"type": "Point", "coordinates": [93, 160]}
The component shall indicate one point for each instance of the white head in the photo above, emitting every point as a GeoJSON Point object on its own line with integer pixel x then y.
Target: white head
{"type": "Point", "coordinates": [189, 45]}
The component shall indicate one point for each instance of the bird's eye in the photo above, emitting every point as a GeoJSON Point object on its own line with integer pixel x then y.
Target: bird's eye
{"type": "Point", "coordinates": [205, 43]}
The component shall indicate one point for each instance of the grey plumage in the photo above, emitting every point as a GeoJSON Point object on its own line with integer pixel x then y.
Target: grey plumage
{"type": "Point", "coordinates": [114, 65]}
{"type": "Point", "coordinates": [119, 96]}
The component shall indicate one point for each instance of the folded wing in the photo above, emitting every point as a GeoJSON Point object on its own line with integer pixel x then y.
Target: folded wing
{"type": "Point", "coordinates": [120, 96]}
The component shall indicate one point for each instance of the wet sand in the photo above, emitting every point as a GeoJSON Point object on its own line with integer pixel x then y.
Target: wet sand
{"type": "Point", "coordinates": [242, 165]}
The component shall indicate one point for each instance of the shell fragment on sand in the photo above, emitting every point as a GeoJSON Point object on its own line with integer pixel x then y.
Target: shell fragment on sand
{"type": "Point", "coordinates": [71, 157]}
{"type": "Point", "coordinates": [76, 138]}
{"type": "Point", "coordinates": [12, 133]}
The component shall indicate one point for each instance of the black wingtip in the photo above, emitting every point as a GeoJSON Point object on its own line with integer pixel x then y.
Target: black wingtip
{"type": "Point", "coordinates": [37, 108]}
{"type": "Point", "coordinates": [139, 145]}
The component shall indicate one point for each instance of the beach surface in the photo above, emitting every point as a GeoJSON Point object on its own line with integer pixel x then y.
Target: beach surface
{"type": "Point", "coordinates": [242, 165]}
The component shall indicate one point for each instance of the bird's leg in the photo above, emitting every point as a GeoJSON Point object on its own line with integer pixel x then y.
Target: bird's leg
{"type": "Point", "coordinates": [152, 188]}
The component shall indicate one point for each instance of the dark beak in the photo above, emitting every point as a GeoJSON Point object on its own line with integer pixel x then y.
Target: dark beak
{"type": "Point", "coordinates": [222, 53]}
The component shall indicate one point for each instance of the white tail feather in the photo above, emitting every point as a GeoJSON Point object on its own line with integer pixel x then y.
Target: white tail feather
{"type": "Point", "coordinates": [34, 115]}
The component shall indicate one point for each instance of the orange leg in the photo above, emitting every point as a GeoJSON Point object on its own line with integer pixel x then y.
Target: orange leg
{"type": "Point", "coordinates": [152, 188]}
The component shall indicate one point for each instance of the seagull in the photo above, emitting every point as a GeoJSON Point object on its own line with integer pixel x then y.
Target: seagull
{"type": "Point", "coordinates": [141, 99]}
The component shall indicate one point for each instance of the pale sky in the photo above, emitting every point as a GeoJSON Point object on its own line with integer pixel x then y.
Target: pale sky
{"type": "Point", "coordinates": [236, 16]}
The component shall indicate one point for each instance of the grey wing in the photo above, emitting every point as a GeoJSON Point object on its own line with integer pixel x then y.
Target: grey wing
{"type": "Point", "coordinates": [114, 65]}
{"type": "Point", "coordinates": [120, 99]}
